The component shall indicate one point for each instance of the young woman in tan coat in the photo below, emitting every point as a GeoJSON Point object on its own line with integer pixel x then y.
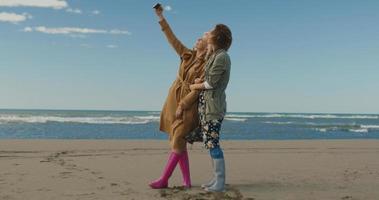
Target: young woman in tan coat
{"type": "Point", "coordinates": [179, 115]}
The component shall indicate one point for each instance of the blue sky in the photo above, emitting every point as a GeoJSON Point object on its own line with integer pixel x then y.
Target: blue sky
{"type": "Point", "coordinates": [287, 56]}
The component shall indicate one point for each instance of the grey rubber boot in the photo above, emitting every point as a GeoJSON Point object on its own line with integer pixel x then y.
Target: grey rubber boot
{"type": "Point", "coordinates": [212, 181]}
{"type": "Point", "coordinates": [219, 171]}
{"type": "Point", "coordinates": [209, 184]}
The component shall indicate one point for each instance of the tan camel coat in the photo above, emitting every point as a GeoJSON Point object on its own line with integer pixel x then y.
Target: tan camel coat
{"type": "Point", "coordinates": [191, 67]}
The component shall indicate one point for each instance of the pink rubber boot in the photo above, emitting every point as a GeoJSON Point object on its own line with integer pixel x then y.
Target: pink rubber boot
{"type": "Point", "coordinates": [184, 167]}
{"type": "Point", "coordinates": [162, 182]}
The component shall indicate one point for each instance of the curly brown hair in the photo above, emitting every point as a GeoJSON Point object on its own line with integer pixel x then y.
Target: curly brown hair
{"type": "Point", "coordinates": [222, 36]}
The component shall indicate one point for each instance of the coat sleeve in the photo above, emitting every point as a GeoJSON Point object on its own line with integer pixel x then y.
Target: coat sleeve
{"type": "Point", "coordinates": [191, 97]}
{"type": "Point", "coordinates": [175, 43]}
{"type": "Point", "coordinates": [216, 71]}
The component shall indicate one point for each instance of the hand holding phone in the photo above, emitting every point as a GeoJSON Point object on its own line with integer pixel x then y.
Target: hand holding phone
{"type": "Point", "coordinates": [158, 10]}
{"type": "Point", "coordinates": [158, 5]}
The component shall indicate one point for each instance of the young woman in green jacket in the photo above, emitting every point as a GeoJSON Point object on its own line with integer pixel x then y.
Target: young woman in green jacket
{"type": "Point", "coordinates": [212, 100]}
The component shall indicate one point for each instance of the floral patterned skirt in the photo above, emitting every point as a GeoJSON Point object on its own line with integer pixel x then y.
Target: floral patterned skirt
{"type": "Point", "coordinates": [211, 128]}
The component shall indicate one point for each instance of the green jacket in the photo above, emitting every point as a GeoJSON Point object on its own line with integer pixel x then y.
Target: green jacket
{"type": "Point", "coordinates": [217, 73]}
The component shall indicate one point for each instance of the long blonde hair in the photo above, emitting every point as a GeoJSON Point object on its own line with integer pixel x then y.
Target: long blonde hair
{"type": "Point", "coordinates": [210, 50]}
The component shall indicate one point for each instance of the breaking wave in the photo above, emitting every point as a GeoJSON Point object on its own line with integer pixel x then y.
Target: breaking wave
{"type": "Point", "coordinates": [305, 116]}
{"type": "Point", "coordinates": [86, 120]}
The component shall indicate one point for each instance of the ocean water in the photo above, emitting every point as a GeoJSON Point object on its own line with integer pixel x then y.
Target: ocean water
{"type": "Point", "coordinates": [66, 124]}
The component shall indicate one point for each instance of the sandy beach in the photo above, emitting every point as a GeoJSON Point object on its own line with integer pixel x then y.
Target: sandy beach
{"type": "Point", "coordinates": [261, 170]}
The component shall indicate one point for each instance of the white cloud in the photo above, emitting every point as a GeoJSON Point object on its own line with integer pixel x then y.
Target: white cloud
{"type": "Point", "coordinates": [28, 29]}
{"type": "Point", "coordinates": [86, 45]}
{"type": "Point", "coordinates": [74, 31]}
{"type": "Point", "coordinates": [119, 32]}
{"type": "Point", "coordinates": [56, 4]}
{"type": "Point", "coordinates": [29, 16]}
{"type": "Point", "coordinates": [95, 12]}
{"type": "Point", "coordinates": [168, 8]}
{"type": "Point", "coordinates": [14, 17]}
{"type": "Point", "coordinates": [112, 46]}
{"type": "Point", "coordinates": [75, 11]}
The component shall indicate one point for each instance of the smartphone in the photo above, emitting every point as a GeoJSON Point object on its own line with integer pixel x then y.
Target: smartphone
{"type": "Point", "coordinates": [156, 6]}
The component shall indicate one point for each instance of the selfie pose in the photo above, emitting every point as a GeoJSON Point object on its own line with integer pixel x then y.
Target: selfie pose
{"type": "Point", "coordinates": [179, 115]}
{"type": "Point", "coordinates": [212, 100]}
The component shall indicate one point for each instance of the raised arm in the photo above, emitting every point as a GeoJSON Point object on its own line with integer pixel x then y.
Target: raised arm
{"type": "Point", "coordinates": [172, 39]}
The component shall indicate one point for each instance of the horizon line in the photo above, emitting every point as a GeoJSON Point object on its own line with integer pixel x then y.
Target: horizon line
{"type": "Point", "coordinates": [131, 110]}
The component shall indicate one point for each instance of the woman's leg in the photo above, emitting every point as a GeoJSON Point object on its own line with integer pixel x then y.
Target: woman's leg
{"type": "Point", "coordinates": [212, 181]}
{"type": "Point", "coordinates": [185, 169]}
{"type": "Point", "coordinates": [211, 142]}
{"type": "Point", "coordinates": [217, 156]}
{"type": "Point", "coordinates": [177, 155]}
{"type": "Point", "coordinates": [162, 182]}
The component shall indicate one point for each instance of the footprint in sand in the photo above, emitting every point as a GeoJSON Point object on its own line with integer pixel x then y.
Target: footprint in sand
{"type": "Point", "coordinates": [55, 158]}
{"type": "Point", "coordinates": [350, 175]}
{"type": "Point", "coordinates": [95, 173]}
{"type": "Point", "coordinates": [231, 193]}
{"type": "Point", "coordinates": [43, 190]}
{"type": "Point", "coordinates": [78, 193]}
{"type": "Point", "coordinates": [126, 192]}
{"type": "Point", "coordinates": [17, 190]}
{"type": "Point", "coordinates": [65, 174]}
{"type": "Point", "coordinates": [6, 197]}
{"type": "Point", "coordinates": [114, 184]}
